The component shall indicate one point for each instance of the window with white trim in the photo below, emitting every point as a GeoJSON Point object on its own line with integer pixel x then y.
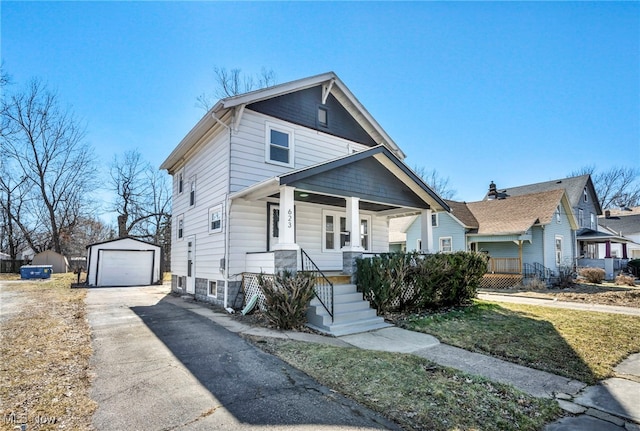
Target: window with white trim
{"type": "Point", "coordinates": [581, 217]}
{"type": "Point", "coordinates": [215, 219]}
{"type": "Point", "coordinates": [434, 219]}
{"type": "Point", "coordinates": [558, 250]}
{"type": "Point", "coordinates": [180, 181]}
{"type": "Point", "coordinates": [419, 244]}
{"type": "Point", "coordinates": [180, 227]}
{"type": "Point", "coordinates": [279, 145]}
{"type": "Point", "coordinates": [592, 224]}
{"type": "Point", "coordinates": [446, 244]}
{"type": "Point", "coordinates": [335, 234]}
{"type": "Point", "coordinates": [192, 191]}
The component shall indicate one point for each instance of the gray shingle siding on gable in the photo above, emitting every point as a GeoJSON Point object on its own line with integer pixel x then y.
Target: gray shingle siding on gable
{"type": "Point", "coordinates": [366, 179]}
{"type": "Point", "coordinates": [301, 107]}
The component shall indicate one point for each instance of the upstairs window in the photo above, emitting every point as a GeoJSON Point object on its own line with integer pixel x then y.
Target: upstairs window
{"type": "Point", "coordinates": [434, 219]}
{"type": "Point", "coordinates": [279, 145]}
{"type": "Point", "coordinates": [581, 217]}
{"type": "Point", "coordinates": [558, 219]}
{"type": "Point", "coordinates": [585, 195]}
{"type": "Point", "coordinates": [180, 181]}
{"type": "Point", "coordinates": [192, 191]}
{"type": "Point", "coordinates": [180, 227]}
{"type": "Point", "coordinates": [323, 117]}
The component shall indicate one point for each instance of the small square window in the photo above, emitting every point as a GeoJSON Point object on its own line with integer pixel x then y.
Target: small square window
{"type": "Point", "coordinates": [215, 219]}
{"type": "Point", "coordinates": [323, 117]}
{"type": "Point", "coordinates": [445, 245]}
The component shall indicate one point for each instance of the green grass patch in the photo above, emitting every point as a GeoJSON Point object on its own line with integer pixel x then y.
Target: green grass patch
{"type": "Point", "coordinates": [577, 344]}
{"type": "Point", "coordinates": [414, 392]}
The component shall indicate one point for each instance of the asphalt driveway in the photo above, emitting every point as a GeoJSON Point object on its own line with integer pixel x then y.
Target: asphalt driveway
{"type": "Point", "coordinates": [161, 367]}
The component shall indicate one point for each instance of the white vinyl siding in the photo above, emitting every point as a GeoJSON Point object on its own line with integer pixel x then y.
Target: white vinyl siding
{"type": "Point", "coordinates": [248, 164]}
{"type": "Point", "coordinates": [210, 169]}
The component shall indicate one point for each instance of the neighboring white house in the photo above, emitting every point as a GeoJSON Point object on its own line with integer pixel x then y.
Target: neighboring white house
{"type": "Point", "coordinates": [123, 262]}
{"type": "Point", "coordinates": [268, 178]}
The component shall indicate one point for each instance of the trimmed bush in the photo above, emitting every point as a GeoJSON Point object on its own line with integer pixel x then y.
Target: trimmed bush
{"type": "Point", "coordinates": [411, 281]}
{"type": "Point", "coordinates": [592, 275]}
{"type": "Point", "coordinates": [625, 280]}
{"type": "Point", "coordinates": [287, 298]}
{"type": "Point", "coordinates": [634, 267]}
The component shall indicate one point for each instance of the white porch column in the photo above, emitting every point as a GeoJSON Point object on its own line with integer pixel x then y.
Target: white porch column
{"type": "Point", "coordinates": [353, 225]}
{"type": "Point", "coordinates": [286, 224]}
{"type": "Point", "coordinates": [426, 231]}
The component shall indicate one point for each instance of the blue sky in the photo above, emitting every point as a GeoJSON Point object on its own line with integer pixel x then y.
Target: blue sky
{"type": "Point", "coordinates": [510, 92]}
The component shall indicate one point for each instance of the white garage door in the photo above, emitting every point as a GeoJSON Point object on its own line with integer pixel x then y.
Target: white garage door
{"type": "Point", "coordinates": [125, 267]}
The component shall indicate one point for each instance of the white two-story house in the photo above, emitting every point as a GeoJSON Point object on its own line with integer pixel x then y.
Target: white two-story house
{"type": "Point", "coordinates": [289, 177]}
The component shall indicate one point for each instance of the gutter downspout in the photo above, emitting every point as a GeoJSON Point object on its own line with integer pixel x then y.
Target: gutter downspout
{"type": "Point", "coordinates": [225, 274]}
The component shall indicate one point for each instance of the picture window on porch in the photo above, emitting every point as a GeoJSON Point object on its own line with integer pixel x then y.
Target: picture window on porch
{"type": "Point", "coordinates": [180, 230]}
{"type": "Point", "coordinates": [445, 244]}
{"type": "Point", "coordinates": [279, 145]}
{"type": "Point", "coordinates": [215, 219]}
{"type": "Point", "coordinates": [335, 234]}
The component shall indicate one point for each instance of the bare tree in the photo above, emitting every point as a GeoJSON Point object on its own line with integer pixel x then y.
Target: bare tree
{"type": "Point", "coordinates": [143, 198]}
{"type": "Point", "coordinates": [233, 82]}
{"type": "Point", "coordinates": [44, 151]}
{"type": "Point", "coordinates": [439, 184]}
{"type": "Point", "coordinates": [616, 187]}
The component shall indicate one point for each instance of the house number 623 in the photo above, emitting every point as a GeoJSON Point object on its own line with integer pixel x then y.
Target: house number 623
{"type": "Point", "coordinates": [289, 218]}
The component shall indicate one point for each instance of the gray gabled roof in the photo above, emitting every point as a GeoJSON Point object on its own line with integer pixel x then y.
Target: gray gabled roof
{"type": "Point", "coordinates": [330, 83]}
{"type": "Point", "coordinates": [623, 225]}
{"type": "Point", "coordinates": [574, 186]}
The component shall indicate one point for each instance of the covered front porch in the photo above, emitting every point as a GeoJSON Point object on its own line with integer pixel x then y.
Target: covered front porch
{"type": "Point", "coordinates": [596, 251]}
{"type": "Point", "coordinates": [321, 219]}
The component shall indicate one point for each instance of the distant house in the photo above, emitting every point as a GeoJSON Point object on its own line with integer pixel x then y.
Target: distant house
{"type": "Point", "coordinates": [625, 225]}
{"type": "Point", "coordinates": [294, 176]}
{"type": "Point", "coordinates": [59, 263]}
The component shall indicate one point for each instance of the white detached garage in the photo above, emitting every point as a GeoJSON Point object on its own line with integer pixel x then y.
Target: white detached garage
{"type": "Point", "coordinates": [123, 262]}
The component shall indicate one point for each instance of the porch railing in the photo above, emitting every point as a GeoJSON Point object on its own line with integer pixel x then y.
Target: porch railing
{"type": "Point", "coordinates": [504, 265]}
{"type": "Point", "coordinates": [537, 270]}
{"type": "Point", "coordinates": [323, 287]}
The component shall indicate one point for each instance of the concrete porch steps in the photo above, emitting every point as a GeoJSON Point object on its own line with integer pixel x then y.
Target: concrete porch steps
{"type": "Point", "coordinates": [352, 314]}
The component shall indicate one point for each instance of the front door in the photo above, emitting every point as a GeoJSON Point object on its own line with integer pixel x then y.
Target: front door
{"type": "Point", "coordinates": [273, 228]}
{"type": "Point", "coordinates": [191, 262]}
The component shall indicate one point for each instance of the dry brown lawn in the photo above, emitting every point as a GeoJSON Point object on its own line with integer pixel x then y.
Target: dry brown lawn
{"type": "Point", "coordinates": [45, 348]}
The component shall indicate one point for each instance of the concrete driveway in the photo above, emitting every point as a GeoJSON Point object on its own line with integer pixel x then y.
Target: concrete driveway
{"type": "Point", "coordinates": [161, 367]}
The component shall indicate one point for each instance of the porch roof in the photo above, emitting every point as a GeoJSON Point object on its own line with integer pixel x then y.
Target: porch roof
{"type": "Point", "coordinates": [376, 176]}
{"type": "Point", "coordinates": [593, 236]}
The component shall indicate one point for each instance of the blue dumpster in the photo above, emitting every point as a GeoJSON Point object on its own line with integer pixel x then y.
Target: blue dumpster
{"type": "Point", "coordinates": [28, 272]}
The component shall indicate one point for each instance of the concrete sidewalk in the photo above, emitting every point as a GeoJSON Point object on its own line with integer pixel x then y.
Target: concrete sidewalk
{"type": "Point", "coordinates": [546, 302]}
{"type": "Point", "coordinates": [612, 405]}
